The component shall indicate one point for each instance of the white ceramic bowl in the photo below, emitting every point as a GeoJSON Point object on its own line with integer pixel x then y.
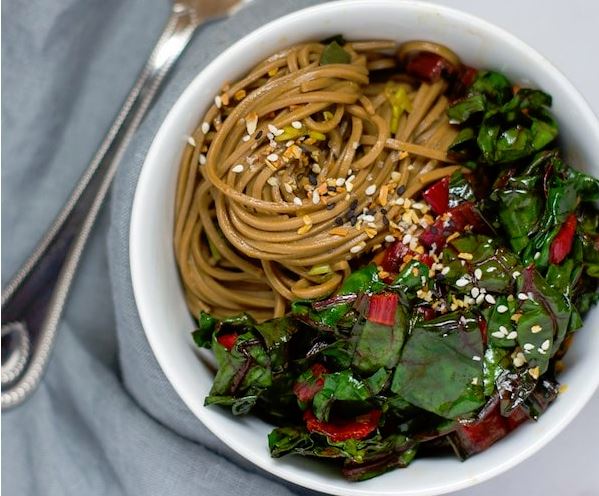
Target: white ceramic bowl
{"type": "Point", "coordinates": [158, 293]}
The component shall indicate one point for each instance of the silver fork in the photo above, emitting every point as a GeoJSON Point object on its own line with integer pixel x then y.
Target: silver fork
{"type": "Point", "coordinates": [32, 302]}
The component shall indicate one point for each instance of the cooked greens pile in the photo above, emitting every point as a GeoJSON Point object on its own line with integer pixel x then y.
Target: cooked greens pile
{"type": "Point", "coordinates": [450, 349]}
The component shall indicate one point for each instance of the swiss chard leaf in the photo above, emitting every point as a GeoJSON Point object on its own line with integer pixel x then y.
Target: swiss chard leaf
{"type": "Point", "coordinates": [339, 386]}
{"type": "Point", "coordinates": [440, 368]}
{"type": "Point", "coordinates": [333, 53]}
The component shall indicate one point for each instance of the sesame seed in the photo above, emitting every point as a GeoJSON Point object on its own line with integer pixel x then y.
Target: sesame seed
{"type": "Point", "coordinates": [475, 292]}
{"type": "Point", "coordinates": [445, 271]}
{"type": "Point", "coordinates": [202, 158]}
{"type": "Point", "coordinates": [288, 187]}
{"type": "Point", "coordinates": [541, 351]}
{"type": "Point", "coordinates": [296, 124]}
{"type": "Point", "coordinates": [205, 127]}
{"type": "Point", "coordinates": [316, 169]}
{"type": "Point", "coordinates": [465, 256]}
{"type": "Point", "coordinates": [497, 334]}
{"type": "Point", "coordinates": [489, 299]}
{"type": "Point", "coordinates": [491, 269]}
{"type": "Point", "coordinates": [537, 255]}
{"type": "Point", "coordinates": [536, 329]}
{"type": "Point", "coordinates": [476, 358]}
{"type": "Point", "coordinates": [468, 300]}
{"type": "Point", "coordinates": [480, 298]}
{"type": "Point", "coordinates": [515, 274]}
{"type": "Point", "coordinates": [478, 274]}
{"type": "Point", "coordinates": [502, 309]}
{"type": "Point", "coordinates": [273, 181]}
{"type": "Point", "coordinates": [371, 190]}
{"type": "Point", "coordinates": [357, 248]}
{"type": "Point", "coordinates": [519, 359]}
{"type": "Point", "coordinates": [349, 186]}
{"type": "Point", "coordinates": [503, 329]}
{"type": "Point", "coordinates": [512, 335]}
{"type": "Point", "coordinates": [315, 197]}
{"type": "Point", "coordinates": [191, 141]}
{"type": "Point", "coordinates": [522, 296]}
{"type": "Point", "coordinates": [474, 381]}
{"type": "Point", "coordinates": [218, 102]}
{"type": "Point", "coordinates": [545, 345]}
{"type": "Point", "coordinates": [237, 169]}
{"type": "Point", "coordinates": [368, 218]}
{"type": "Point", "coordinates": [461, 282]}
{"type": "Point", "coordinates": [528, 347]}
{"type": "Point", "coordinates": [273, 129]}
{"type": "Point", "coordinates": [339, 182]}
{"type": "Point", "coordinates": [297, 200]}
{"type": "Point", "coordinates": [406, 239]}
{"type": "Point", "coordinates": [246, 138]}
{"type": "Point", "coordinates": [273, 157]}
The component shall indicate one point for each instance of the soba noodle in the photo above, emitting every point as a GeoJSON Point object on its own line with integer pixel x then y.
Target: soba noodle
{"type": "Point", "coordinates": [297, 169]}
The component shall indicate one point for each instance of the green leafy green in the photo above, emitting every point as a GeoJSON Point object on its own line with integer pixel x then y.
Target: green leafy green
{"type": "Point", "coordinates": [333, 53]}
{"type": "Point", "coordinates": [440, 368]}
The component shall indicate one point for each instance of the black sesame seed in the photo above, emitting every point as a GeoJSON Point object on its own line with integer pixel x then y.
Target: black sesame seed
{"type": "Point", "coordinates": [259, 135]}
{"type": "Point", "coordinates": [331, 188]}
{"type": "Point", "coordinates": [353, 205]}
{"type": "Point", "coordinates": [312, 178]}
{"type": "Point", "coordinates": [339, 221]}
{"type": "Point", "coordinates": [383, 211]}
{"type": "Point", "coordinates": [330, 206]}
{"type": "Point", "coordinates": [385, 221]}
{"type": "Point", "coordinates": [401, 190]}
{"type": "Point", "coordinates": [353, 220]}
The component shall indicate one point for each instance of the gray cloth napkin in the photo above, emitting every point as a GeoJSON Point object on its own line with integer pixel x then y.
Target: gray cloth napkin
{"type": "Point", "coordinates": [105, 420]}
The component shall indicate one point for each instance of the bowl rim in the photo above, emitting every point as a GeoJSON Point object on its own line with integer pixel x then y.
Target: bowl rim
{"type": "Point", "coordinates": [137, 211]}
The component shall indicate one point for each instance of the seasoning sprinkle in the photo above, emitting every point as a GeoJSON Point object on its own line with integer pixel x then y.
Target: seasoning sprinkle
{"type": "Point", "coordinates": [512, 335]}
{"type": "Point", "coordinates": [389, 238]}
{"type": "Point", "coordinates": [522, 296]}
{"type": "Point", "coordinates": [237, 169]}
{"type": "Point", "coordinates": [273, 157]}
{"type": "Point", "coordinates": [478, 274]}
{"type": "Point", "coordinates": [502, 309]}
{"type": "Point", "coordinates": [296, 124]}
{"type": "Point", "coordinates": [465, 256]}
{"type": "Point", "coordinates": [370, 190]}
{"type": "Point", "coordinates": [205, 127]}
{"type": "Point", "coordinates": [297, 200]}
{"type": "Point", "coordinates": [490, 299]}
{"type": "Point", "coordinates": [202, 159]}
{"type": "Point", "coordinates": [191, 141]}
{"type": "Point", "coordinates": [461, 282]}
{"type": "Point", "coordinates": [357, 248]}
{"type": "Point", "coordinates": [536, 329]}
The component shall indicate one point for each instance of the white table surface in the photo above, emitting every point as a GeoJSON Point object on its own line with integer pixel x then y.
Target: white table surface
{"type": "Point", "coordinates": [567, 33]}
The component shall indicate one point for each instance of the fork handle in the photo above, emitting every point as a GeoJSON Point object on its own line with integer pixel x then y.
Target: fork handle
{"type": "Point", "coordinates": [34, 298]}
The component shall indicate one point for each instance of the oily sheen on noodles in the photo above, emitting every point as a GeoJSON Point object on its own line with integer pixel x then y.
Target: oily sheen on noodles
{"type": "Point", "coordinates": [300, 167]}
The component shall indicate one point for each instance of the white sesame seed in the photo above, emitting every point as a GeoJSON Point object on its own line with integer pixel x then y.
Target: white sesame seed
{"type": "Point", "coordinates": [474, 381]}
{"type": "Point", "coordinates": [273, 157]}
{"type": "Point", "coordinates": [445, 271]}
{"type": "Point", "coordinates": [537, 255]}
{"type": "Point", "coordinates": [515, 274]}
{"type": "Point", "coordinates": [512, 335]}
{"type": "Point", "coordinates": [476, 358]}
{"type": "Point", "coordinates": [480, 298]}
{"type": "Point", "coordinates": [468, 300]}
{"type": "Point", "coordinates": [489, 299]}
{"type": "Point", "coordinates": [316, 169]}
{"type": "Point", "coordinates": [502, 309]}
{"type": "Point", "coordinates": [545, 345]}
{"type": "Point", "coordinates": [273, 129]}
{"type": "Point", "coordinates": [296, 124]}
{"type": "Point", "coordinates": [400, 201]}
{"type": "Point", "coordinates": [368, 218]}
{"type": "Point", "coordinates": [350, 179]}
{"type": "Point", "coordinates": [349, 186]}
{"type": "Point", "coordinates": [315, 197]}
{"type": "Point", "coordinates": [288, 187]}
{"type": "Point", "coordinates": [475, 292]}
{"type": "Point", "coordinates": [371, 190]}
{"type": "Point", "coordinates": [297, 200]}
{"type": "Point", "coordinates": [273, 181]}
{"type": "Point", "coordinates": [528, 347]}
{"type": "Point", "coordinates": [491, 269]}
{"type": "Point", "coordinates": [205, 127]}
{"type": "Point", "coordinates": [519, 359]}
{"type": "Point", "coordinates": [191, 141]}
{"type": "Point", "coordinates": [356, 248]}
{"type": "Point", "coordinates": [246, 138]}
{"type": "Point", "coordinates": [541, 351]}
{"type": "Point", "coordinates": [202, 158]}
{"type": "Point", "coordinates": [461, 282]}
{"type": "Point", "coordinates": [237, 169]}
{"type": "Point", "coordinates": [289, 143]}
{"type": "Point", "coordinates": [418, 206]}
{"type": "Point", "coordinates": [498, 334]}
{"type": "Point", "coordinates": [536, 328]}
{"type": "Point", "coordinates": [339, 182]}
{"type": "Point", "coordinates": [218, 102]}
{"type": "Point", "coordinates": [503, 329]}
{"type": "Point", "coordinates": [406, 239]}
{"type": "Point", "coordinates": [522, 296]}
{"type": "Point", "coordinates": [389, 238]}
